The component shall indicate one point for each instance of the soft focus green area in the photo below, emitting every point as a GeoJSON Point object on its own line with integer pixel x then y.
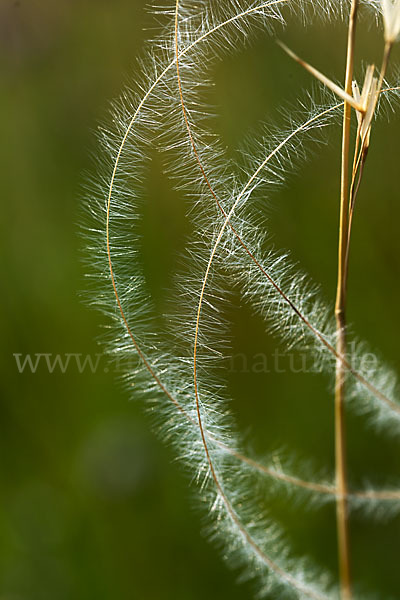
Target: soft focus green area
{"type": "Point", "coordinates": [93, 505]}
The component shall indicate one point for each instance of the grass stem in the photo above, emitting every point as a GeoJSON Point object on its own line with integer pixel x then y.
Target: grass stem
{"type": "Point", "coordinates": [340, 314]}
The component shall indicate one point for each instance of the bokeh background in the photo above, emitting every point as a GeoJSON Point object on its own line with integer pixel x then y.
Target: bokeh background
{"type": "Point", "coordinates": [92, 504]}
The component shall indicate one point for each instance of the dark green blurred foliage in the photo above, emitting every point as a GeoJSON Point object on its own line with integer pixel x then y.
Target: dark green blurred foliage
{"type": "Point", "coordinates": [92, 504]}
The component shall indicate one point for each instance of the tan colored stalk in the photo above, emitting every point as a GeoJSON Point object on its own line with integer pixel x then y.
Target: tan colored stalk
{"type": "Point", "coordinates": [340, 314]}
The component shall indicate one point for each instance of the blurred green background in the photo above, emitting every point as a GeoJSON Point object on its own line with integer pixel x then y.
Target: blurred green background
{"type": "Point", "coordinates": [92, 504]}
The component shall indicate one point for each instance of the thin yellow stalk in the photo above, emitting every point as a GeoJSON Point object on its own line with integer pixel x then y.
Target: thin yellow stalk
{"type": "Point", "coordinates": [340, 308]}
